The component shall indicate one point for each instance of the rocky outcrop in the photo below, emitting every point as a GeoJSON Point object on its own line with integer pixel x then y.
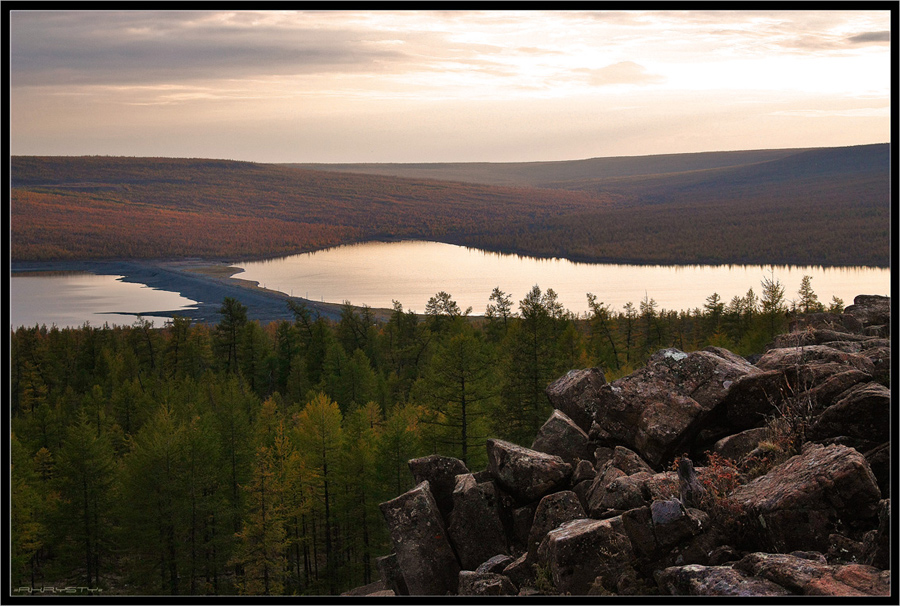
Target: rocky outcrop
{"type": "Point", "coordinates": [606, 502]}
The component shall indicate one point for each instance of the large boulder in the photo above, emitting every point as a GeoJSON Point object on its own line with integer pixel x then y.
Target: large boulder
{"type": "Point", "coordinates": [870, 310]}
{"type": "Point", "coordinates": [424, 555]}
{"type": "Point", "coordinates": [696, 579]}
{"type": "Point", "coordinates": [440, 472]}
{"type": "Point", "coordinates": [561, 436]}
{"type": "Point", "coordinates": [475, 529]}
{"type": "Point", "coordinates": [786, 357]}
{"type": "Point", "coordinates": [800, 502]}
{"type": "Point", "coordinates": [578, 552]}
{"type": "Point", "coordinates": [860, 413]}
{"type": "Point", "coordinates": [553, 510]}
{"type": "Point", "coordinates": [391, 575]}
{"type": "Point", "coordinates": [805, 576]}
{"type": "Point", "coordinates": [577, 394]}
{"type": "Point", "coordinates": [526, 474]}
{"type": "Point", "coordinates": [660, 408]}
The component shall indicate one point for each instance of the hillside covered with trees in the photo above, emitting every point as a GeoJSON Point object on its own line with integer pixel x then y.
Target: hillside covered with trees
{"type": "Point", "coordinates": [811, 207]}
{"type": "Point", "coordinates": [248, 459]}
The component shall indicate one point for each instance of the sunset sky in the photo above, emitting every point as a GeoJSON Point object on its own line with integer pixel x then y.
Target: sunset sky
{"type": "Point", "coordinates": [423, 86]}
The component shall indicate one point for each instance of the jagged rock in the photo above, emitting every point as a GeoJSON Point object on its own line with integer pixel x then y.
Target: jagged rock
{"type": "Point", "coordinates": [584, 471]}
{"type": "Point", "coordinates": [629, 461]}
{"type": "Point", "coordinates": [815, 336]}
{"type": "Point", "coordinates": [741, 444]}
{"type": "Point", "coordinates": [475, 530]}
{"type": "Point", "coordinates": [800, 502]}
{"type": "Point", "coordinates": [879, 459]}
{"type": "Point", "coordinates": [787, 357]}
{"type": "Point", "coordinates": [790, 571]}
{"type": "Point", "coordinates": [870, 310]}
{"type": "Point", "coordinates": [520, 571]}
{"type": "Point", "coordinates": [696, 579]}
{"type": "Point", "coordinates": [391, 575]}
{"type": "Point", "coordinates": [522, 518]}
{"type": "Point", "coordinates": [440, 472]}
{"type": "Point", "coordinates": [826, 393]}
{"type": "Point", "coordinates": [485, 583]}
{"type": "Point", "coordinates": [658, 409]}
{"type": "Point", "coordinates": [426, 559]}
{"type": "Point", "coordinates": [560, 436]}
{"type": "Point", "coordinates": [852, 580]}
{"type": "Point", "coordinates": [844, 549]}
{"type": "Point", "coordinates": [860, 413]}
{"type": "Point", "coordinates": [553, 510]}
{"type": "Point", "coordinates": [753, 397]}
{"type": "Point", "coordinates": [527, 474]}
{"type": "Point", "coordinates": [496, 564]}
{"type": "Point", "coordinates": [577, 394]}
{"type": "Point", "coordinates": [877, 543]}
{"type": "Point", "coordinates": [580, 551]}
{"type": "Point", "coordinates": [881, 361]}
{"type": "Point", "coordinates": [673, 523]}
{"type": "Point", "coordinates": [602, 455]}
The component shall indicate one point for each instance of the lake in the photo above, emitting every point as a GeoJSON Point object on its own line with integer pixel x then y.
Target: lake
{"type": "Point", "coordinates": [69, 299]}
{"type": "Point", "coordinates": [377, 273]}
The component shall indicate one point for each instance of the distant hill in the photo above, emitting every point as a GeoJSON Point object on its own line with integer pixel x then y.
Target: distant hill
{"type": "Point", "coordinates": [822, 206]}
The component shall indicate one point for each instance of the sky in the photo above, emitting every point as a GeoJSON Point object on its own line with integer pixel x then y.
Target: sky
{"type": "Point", "coordinates": [444, 86]}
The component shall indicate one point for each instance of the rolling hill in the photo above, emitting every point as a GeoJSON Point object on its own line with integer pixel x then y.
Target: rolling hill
{"type": "Point", "coordinates": [823, 206]}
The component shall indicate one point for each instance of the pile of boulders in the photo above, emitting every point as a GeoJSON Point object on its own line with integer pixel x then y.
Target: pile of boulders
{"type": "Point", "coordinates": [608, 501]}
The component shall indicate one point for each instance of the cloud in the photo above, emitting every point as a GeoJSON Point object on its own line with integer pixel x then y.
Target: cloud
{"type": "Point", "coordinates": [870, 37]}
{"type": "Point", "coordinates": [624, 72]}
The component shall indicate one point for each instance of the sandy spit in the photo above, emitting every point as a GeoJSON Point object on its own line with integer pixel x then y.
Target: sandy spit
{"type": "Point", "coordinates": [204, 281]}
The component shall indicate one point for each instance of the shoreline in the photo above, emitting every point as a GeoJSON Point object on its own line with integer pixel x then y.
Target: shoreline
{"type": "Point", "coordinates": [204, 281]}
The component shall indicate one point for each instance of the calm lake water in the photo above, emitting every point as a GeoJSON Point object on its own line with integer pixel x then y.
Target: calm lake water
{"type": "Point", "coordinates": [69, 299]}
{"type": "Point", "coordinates": [376, 273]}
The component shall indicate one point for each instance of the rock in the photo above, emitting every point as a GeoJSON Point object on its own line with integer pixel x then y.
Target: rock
{"type": "Point", "coordinates": [879, 459]}
{"type": "Point", "coordinates": [629, 461]}
{"type": "Point", "coordinates": [580, 551]}
{"type": "Point", "coordinates": [424, 555]}
{"type": "Point", "coordinates": [851, 580]}
{"type": "Point", "coordinates": [520, 571]}
{"type": "Point", "coordinates": [673, 524]}
{"type": "Point", "coordinates": [391, 576]}
{"type": "Point", "coordinates": [877, 543]}
{"type": "Point", "coordinates": [527, 474]}
{"type": "Point", "coordinates": [658, 409]}
{"type": "Point", "coordinates": [815, 336]}
{"type": "Point", "coordinates": [826, 393]}
{"type": "Point", "coordinates": [475, 530]}
{"type": "Point", "coordinates": [485, 583]}
{"type": "Point", "coordinates": [791, 572]}
{"type": "Point", "coordinates": [782, 358]}
{"type": "Point", "coordinates": [695, 579]}
{"type": "Point", "coordinates": [753, 397]}
{"type": "Point", "coordinates": [553, 510]}
{"type": "Point", "coordinates": [870, 310]}
{"type": "Point", "coordinates": [881, 361]}
{"type": "Point", "coordinates": [859, 413]}
{"type": "Point", "coordinates": [844, 549]}
{"type": "Point", "coordinates": [376, 588]}
{"type": "Point", "coordinates": [440, 472]}
{"type": "Point", "coordinates": [803, 500]}
{"type": "Point", "coordinates": [576, 394]}
{"type": "Point", "coordinates": [522, 518]}
{"type": "Point", "coordinates": [614, 492]}
{"type": "Point", "coordinates": [495, 564]}
{"type": "Point", "coordinates": [737, 446]}
{"type": "Point", "coordinates": [584, 471]}
{"type": "Point", "coordinates": [560, 436]}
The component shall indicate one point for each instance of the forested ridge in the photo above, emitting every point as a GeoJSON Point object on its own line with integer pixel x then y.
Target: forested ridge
{"type": "Point", "coordinates": [248, 459]}
{"type": "Point", "coordinates": [827, 206]}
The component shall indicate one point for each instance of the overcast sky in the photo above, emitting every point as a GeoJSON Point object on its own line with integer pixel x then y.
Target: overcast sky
{"type": "Point", "coordinates": [421, 86]}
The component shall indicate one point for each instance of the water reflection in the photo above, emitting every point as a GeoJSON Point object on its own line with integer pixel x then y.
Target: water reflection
{"type": "Point", "coordinates": [377, 273]}
{"type": "Point", "coordinates": [69, 299]}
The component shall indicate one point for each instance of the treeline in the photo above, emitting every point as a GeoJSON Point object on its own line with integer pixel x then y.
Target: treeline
{"type": "Point", "coordinates": [249, 459]}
